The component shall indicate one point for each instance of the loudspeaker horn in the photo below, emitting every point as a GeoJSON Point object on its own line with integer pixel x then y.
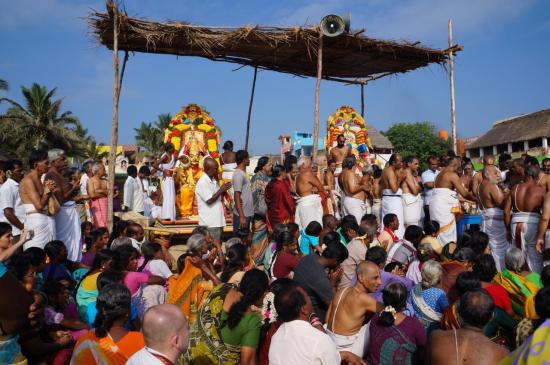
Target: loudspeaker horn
{"type": "Point", "coordinates": [334, 25]}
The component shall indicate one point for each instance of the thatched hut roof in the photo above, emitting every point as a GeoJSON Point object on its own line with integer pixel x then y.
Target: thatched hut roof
{"type": "Point", "coordinates": [517, 129]}
{"type": "Point", "coordinates": [350, 58]}
{"type": "Point", "coordinates": [378, 140]}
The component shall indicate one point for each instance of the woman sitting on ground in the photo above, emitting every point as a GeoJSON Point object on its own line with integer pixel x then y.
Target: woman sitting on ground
{"type": "Point", "coordinates": [233, 312]}
{"type": "Point", "coordinates": [486, 269]}
{"type": "Point", "coordinates": [424, 253]}
{"type": "Point", "coordinates": [146, 290]}
{"type": "Point", "coordinates": [97, 240]}
{"type": "Point", "coordinates": [287, 258]}
{"type": "Point", "coordinates": [395, 337]}
{"type": "Point", "coordinates": [519, 284]}
{"type": "Point", "coordinates": [427, 298]}
{"type": "Point", "coordinates": [87, 290]}
{"type": "Point", "coordinates": [110, 343]}
{"type": "Point", "coordinates": [430, 236]}
{"type": "Point", "coordinates": [236, 262]}
{"type": "Point", "coordinates": [190, 288]}
{"type": "Point", "coordinates": [153, 260]}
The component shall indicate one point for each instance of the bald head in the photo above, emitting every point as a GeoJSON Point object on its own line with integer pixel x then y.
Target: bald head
{"type": "Point", "coordinates": [367, 267]}
{"type": "Point", "coordinates": [488, 160]}
{"type": "Point", "coordinates": [368, 276]}
{"type": "Point", "coordinates": [164, 326]}
{"type": "Point", "coordinates": [210, 167]}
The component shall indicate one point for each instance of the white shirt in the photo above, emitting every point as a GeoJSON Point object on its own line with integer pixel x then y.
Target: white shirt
{"type": "Point", "coordinates": [145, 183]}
{"type": "Point", "coordinates": [210, 215]}
{"type": "Point", "coordinates": [9, 198]}
{"type": "Point", "coordinates": [84, 184]}
{"type": "Point", "coordinates": [427, 177]}
{"type": "Point", "coordinates": [299, 343]}
{"type": "Point", "coordinates": [145, 357]}
{"type": "Point", "coordinates": [159, 268]}
{"type": "Point", "coordinates": [133, 194]}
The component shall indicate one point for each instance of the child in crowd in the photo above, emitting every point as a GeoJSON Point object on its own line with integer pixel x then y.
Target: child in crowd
{"type": "Point", "coordinates": [309, 238]}
{"type": "Point", "coordinates": [153, 260]}
{"type": "Point", "coordinates": [96, 240]}
{"type": "Point", "coordinates": [430, 236]}
{"type": "Point", "coordinates": [60, 312]}
{"type": "Point", "coordinates": [286, 258]}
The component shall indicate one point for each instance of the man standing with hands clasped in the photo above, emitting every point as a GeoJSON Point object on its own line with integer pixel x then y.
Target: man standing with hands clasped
{"type": "Point", "coordinates": [244, 206]}
{"type": "Point", "coordinates": [209, 199]}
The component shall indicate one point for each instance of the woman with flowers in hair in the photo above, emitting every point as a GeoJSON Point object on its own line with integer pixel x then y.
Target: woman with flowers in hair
{"type": "Point", "coordinates": [394, 337]}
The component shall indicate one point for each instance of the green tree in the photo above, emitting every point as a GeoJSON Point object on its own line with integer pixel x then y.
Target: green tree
{"type": "Point", "coordinates": [39, 123]}
{"type": "Point", "coordinates": [151, 135]}
{"type": "Point", "coordinates": [417, 139]}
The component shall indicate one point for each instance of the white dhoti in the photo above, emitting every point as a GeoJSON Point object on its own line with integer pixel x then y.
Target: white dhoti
{"type": "Point", "coordinates": [355, 207]}
{"type": "Point", "coordinates": [67, 229]}
{"type": "Point", "coordinates": [524, 235]}
{"type": "Point", "coordinates": [492, 223]}
{"type": "Point", "coordinates": [168, 199]}
{"type": "Point", "coordinates": [443, 205]}
{"type": "Point", "coordinates": [354, 343]}
{"type": "Point", "coordinates": [308, 209]}
{"type": "Point", "coordinates": [227, 170]}
{"type": "Point", "coordinates": [376, 208]}
{"type": "Point", "coordinates": [392, 203]}
{"type": "Point", "coordinates": [412, 209]}
{"type": "Point", "coordinates": [41, 224]}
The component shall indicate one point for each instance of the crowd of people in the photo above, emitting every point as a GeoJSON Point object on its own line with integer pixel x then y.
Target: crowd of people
{"type": "Point", "coordinates": [326, 265]}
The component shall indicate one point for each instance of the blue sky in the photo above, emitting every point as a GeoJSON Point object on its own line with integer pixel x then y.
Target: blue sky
{"type": "Point", "coordinates": [502, 72]}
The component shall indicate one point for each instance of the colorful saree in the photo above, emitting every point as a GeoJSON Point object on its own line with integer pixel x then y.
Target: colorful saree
{"type": "Point", "coordinates": [206, 346]}
{"type": "Point", "coordinates": [260, 239]}
{"type": "Point", "coordinates": [534, 351]}
{"type": "Point", "coordinates": [258, 183]}
{"type": "Point", "coordinates": [519, 288]}
{"type": "Point", "coordinates": [10, 351]}
{"type": "Point", "coordinates": [87, 293]}
{"type": "Point", "coordinates": [91, 349]}
{"type": "Point", "coordinates": [188, 290]}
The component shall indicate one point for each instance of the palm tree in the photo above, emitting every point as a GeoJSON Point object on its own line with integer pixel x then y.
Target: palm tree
{"type": "Point", "coordinates": [151, 135]}
{"type": "Point", "coordinates": [40, 124]}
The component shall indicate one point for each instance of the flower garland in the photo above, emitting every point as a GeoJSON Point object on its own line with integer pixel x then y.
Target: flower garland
{"type": "Point", "coordinates": [268, 308]}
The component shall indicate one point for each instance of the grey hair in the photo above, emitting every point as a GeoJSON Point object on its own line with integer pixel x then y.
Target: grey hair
{"type": "Point", "coordinates": [431, 273]}
{"type": "Point", "coordinates": [349, 162]}
{"type": "Point", "coordinates": [95, 167]}
{"type": "Point", "coordinates": [195, 242]}
{"type": "Point", "coordinates": [55, 153]}
{"type": "Point", "coordinates": [514, 259]}
{"type": "Point", "coordinates": [120, 241]}
{"type": "Point", "coordinates": [301, 161]}
{"type": "Point", "coordinates": [232, 241]}
{"type": "Point", "coordinates": [367, 169]}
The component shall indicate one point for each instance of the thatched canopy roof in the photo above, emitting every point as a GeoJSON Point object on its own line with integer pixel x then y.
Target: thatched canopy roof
{"type": "Point", "coordinates": [378, 140]}
{"type": "Point", "coordinates": [291, 50]}
{"type": "Point", "coordinates": [522, 128]}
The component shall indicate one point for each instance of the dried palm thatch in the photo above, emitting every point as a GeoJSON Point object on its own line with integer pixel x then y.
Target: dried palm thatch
{"type": "Point", "coordinates": [351, 57]}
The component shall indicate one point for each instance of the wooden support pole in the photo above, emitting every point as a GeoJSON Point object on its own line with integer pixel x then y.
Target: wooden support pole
{"type": "Point", "coordinates": [250, 108]}
{"type": "Point", "coordinates": [452, 85]}
{"type": "Point", "coordinates": [363, 100]}
{"type": "Point", "coordinates": [317, 88]}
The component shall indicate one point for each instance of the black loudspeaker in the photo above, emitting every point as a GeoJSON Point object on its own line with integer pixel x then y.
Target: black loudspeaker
{"type": "Point", "coordinates": [334, 25]}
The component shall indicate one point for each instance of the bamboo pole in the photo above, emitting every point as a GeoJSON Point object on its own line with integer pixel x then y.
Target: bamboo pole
{"type": "Point", "coordinates": [452, 86]}
{"type": "Point", "coordinates": [250, 108]}
{"type": "Point", "coordinates": [317, 88]}
{"type": "Point", "coordinates": [362, 100]}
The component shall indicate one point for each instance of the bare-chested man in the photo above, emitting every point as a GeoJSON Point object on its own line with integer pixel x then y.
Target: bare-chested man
{"type": "Point", "coordinates": [350, 307]}
{"type": "Point", "coordinates": [412, 199]}
{"type": "Point", "coordinates": [491, 198]}
{"type": "Point", "coordinates": [377, 192]}
{"type": "Point", "coordinates": [463, 345]}
{"type": "Point", "coordinates": [34, 196]}
{"type": "Point", "coordinates": [392, 177]}
{"type": "Point", "coordinates": [488, 160]}
{"type": "Point", "coordinates": [516, 173]}
{"type": "Point", "coordinates": [67, 219]}
{"type": "Point", "coordinates": [522, 216]}
{"type": "Point", "coordinates": [339, 152]}
{"type": "Point", "coordinates": [355, 192]}
{"type": "Point", "coordinates": [329, 182]}
{"type": "Point", "coordinates": [310, 206]}
{"type": "Point", "coordinates": [444, 201]}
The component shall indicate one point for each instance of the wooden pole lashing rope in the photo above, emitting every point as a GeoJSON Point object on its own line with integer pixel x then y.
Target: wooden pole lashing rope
{"type": "Point", "coordinates": [250, 108]}
{"type": "Point", "coordinates": [317, 89]}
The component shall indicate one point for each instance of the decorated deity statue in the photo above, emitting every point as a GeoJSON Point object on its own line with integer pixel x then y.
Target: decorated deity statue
{"type": "Point", "coordinates": [347, 122]}
{"type": "Point", "coordinates": [195, 136]}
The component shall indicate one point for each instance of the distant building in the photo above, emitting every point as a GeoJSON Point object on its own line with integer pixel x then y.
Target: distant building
{"type": "Point", "coordinates": [525, 133]}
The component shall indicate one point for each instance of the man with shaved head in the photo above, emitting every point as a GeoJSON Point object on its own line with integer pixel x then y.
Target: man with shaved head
{"type": "Point", "coordinates": [351, 306]}
{"type": "Point", "coordinates": [166, 334]}
{"type": "Point", "coordinates": [488, 160]}
{"type": "Point", "coordinates": [491, 200]}
{"type": "Point", "coordinates": [462, 346]}
{"type": "Point", "coordinates": [208, 195]}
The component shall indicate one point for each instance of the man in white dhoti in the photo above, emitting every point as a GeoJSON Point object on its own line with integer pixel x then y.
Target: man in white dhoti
{"type": "Point", "coordinates": [34, 198]}
{"type": "Point", "coordinates": [350, 307]}
{"type": "Point", "coordinates": [392, 178]}
{"type": "Point", "coordinates": [355, 193]}
{"type": "Point", "coordinates": [133, 192]}
{"type": "Point", "coordinates": [444, 201]}
{"type": "Point", "coordinates": [67, 219]}
{"type": "Point", "coordinates": [491, 197]}
{"type": "Point", "coordinates": [412, 199]}
{"type": "Point", "coordinates": [167, 164]}
{"type": "Point", "coordinates": [522, 216]}
{"type": "Point", "coordinates": [310, 206]}
{"type": "Point", "coordinates": [11, 209]}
